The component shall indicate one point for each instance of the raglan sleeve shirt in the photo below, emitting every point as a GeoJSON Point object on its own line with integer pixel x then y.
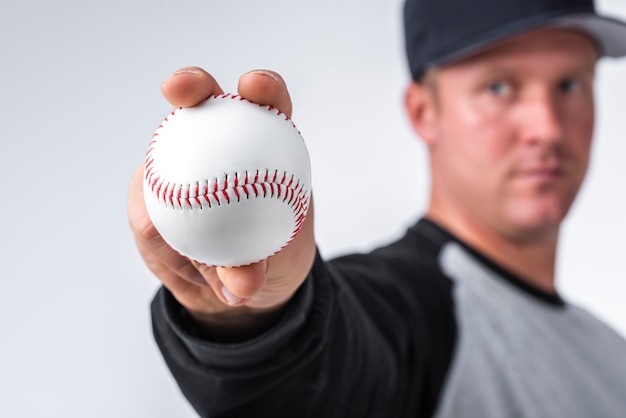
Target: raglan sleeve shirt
{"type": "Point", "coordinates": [365, 336]}
{"type": "Point", "coordinates": [426, 326]}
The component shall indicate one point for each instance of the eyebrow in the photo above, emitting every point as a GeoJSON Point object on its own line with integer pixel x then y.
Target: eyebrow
{"type": "Point", "coordinates": [507, 70]}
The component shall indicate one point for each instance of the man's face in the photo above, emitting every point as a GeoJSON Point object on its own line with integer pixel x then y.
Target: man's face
{"type": "Point", "coordinates": [512, 130]}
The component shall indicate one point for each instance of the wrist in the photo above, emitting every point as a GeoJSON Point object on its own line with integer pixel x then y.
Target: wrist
{"type": "Point", "coordinates": [235, 324]}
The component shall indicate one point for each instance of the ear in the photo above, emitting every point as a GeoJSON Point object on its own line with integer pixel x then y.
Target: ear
{"type": "Point", "coordinates": [421, 107]}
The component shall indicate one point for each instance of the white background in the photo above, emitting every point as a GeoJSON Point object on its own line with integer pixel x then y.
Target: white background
{"type": "Point", "coordinates": [80, 98]}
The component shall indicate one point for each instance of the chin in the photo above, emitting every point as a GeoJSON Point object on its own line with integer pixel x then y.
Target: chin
{"type": "Point", "coordinates": [536, 219]}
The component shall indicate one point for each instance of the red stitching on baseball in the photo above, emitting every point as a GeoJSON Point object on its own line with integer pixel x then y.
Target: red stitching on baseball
{"type": "Point", "coordinates": [169, 195]}
{"type": "Point", "coordinates": [179, 195]}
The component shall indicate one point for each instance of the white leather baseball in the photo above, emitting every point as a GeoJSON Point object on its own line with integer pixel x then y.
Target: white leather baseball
{"type": "Point", "coordinates": [227, 182]}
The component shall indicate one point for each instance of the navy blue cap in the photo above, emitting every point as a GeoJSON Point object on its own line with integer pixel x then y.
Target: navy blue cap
{"type": "Point", "coordinates": [439, 32]}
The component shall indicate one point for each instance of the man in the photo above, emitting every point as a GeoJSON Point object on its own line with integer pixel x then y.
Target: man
{"type": "Point", "coordinates": [461, 316]}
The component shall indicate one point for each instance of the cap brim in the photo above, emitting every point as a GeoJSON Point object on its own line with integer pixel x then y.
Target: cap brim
{"type": "Point", "coordinates": [609, 34]}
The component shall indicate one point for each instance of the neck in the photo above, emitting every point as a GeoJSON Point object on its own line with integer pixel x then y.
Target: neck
{"type": "Point", "coordinates": [531, 259]}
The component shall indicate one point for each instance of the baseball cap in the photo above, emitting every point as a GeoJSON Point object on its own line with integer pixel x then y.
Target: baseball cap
{"type": "Point", "coordinates": [440, 32]}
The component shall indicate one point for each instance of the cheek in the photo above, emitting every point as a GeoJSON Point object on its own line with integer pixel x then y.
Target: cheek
{"type": "Point", "coordinates": [471, 168]}
{"type": "Point", "coordinates": [581, 133]}
{"type": "Point", "coordinates": [578, 140]}
{"type": "Point", "coordinates": [578, 121]}
{"type": "Point", "coordinates": [475, 142]}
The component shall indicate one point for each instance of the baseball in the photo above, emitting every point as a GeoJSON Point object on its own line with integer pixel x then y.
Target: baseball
{"type": "Point", "coordinates": [227, 182]}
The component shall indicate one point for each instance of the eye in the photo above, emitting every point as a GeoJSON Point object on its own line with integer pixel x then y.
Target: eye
{"type": "Point", "coordinates": [499, 88]}
{"type": "Point", "coordinates": [569, 85]}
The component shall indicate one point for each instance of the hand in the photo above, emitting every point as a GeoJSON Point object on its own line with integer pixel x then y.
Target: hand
{"type": "Point", "coordinates": [228, 302]}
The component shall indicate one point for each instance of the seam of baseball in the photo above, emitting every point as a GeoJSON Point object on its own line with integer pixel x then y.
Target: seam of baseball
{"type": "Point", "coordinates": [269, 108]}
{"type": "Point", "coordinates": [228, 191]}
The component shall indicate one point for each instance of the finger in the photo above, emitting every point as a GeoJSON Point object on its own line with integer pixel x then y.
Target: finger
{"type": "Point", "coordinates": [140, 223]}
{"type": "Point", "coordinates": [157, 253]}
{"type": "Point", "coordinates": [151, 245]}
{"type": "Point", "coordinates": [267, 88]}
{"type": "Point", "coordinates": [194, 298]}
{"type": "Point", "coordinates": [239, 284]}
{"type": "Point", "coordinates": [180, 287]}
{"type": "Point", "coordinates": [189, 86]}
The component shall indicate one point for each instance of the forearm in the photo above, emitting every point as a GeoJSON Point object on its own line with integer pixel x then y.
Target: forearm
{"type": "Point", "coordinates": [221, 378]}
{"type": "Point", "coordinates": [323, 357]}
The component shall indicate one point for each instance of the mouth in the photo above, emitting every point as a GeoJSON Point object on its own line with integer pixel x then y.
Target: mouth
{"type": "Point", "coordinates": [545, 174]}
{"type": "Point", "coordinates": [542, 174]}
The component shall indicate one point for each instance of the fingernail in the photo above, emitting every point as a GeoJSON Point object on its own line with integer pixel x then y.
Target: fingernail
{"type": "Point", "coordinates": [230, 298]}
{"type": "Point", "coordinates": [265, 72]}
{"type": "Point", "coordinates": [187, 70]}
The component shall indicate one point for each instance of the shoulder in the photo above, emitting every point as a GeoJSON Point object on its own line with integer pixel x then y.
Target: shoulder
{"type": "Point", "coordinates": [409, 265]}
{"type": "Point", "coordinates": [403, 280]}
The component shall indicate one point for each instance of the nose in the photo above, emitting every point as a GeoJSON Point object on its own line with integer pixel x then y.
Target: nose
{"type": "Point", "coordinates": [542, 122]}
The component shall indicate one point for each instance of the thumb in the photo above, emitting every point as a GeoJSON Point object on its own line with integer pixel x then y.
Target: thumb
{"type": "Point", "coordinates": [239, 284]}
